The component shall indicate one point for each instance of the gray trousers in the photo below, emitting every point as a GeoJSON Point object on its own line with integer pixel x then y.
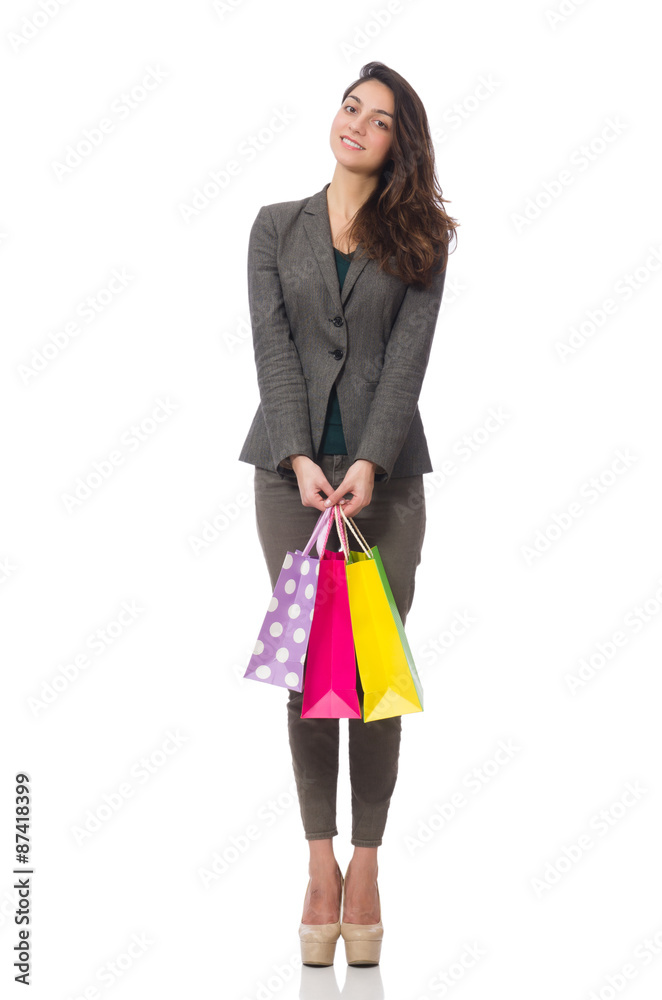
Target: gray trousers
{"type": "Point", "coordinates": [394, 520]}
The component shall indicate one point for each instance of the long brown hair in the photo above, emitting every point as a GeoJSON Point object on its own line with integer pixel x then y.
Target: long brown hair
{"type": "Point", "coordinates": [404, 216]}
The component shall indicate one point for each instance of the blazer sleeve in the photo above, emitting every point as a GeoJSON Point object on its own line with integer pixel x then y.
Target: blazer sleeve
{"type": "Point", "coordinates": [401, 377]}
{"type": "Point", "coordinates": [283, 389]}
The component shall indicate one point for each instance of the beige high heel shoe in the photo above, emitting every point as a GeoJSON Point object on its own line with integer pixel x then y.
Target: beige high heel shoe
{"type": "Point", "coordinates": [363, 942]}
{"type": "Point", "coordinates": [318, 941]}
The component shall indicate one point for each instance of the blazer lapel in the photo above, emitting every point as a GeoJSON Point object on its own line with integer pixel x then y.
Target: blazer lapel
{"type": "Point", "coordinates": [318, 229]}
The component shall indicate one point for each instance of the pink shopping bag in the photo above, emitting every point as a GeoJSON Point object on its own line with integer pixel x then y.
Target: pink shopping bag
{"type": "Point", "coordinates": [280, 650]}
{"type": "Point", "coordinates": [329, 685]}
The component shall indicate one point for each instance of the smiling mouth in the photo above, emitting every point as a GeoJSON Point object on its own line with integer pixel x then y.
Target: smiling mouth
{"type": "Point", "coordinates": [352, 143]}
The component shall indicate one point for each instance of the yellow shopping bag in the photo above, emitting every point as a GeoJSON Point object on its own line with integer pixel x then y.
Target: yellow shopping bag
{"type": "Point", "coordinates": [389, 679]}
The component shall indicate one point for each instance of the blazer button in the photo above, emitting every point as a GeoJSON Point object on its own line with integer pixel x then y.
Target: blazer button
{"type": "Point", "coordinates": [337, 354]}
{"type": "Point", "coordinates": [338, 321]}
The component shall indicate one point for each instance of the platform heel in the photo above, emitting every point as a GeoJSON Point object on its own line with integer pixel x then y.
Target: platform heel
{"type": "Point", "coordinates": [318, 941]}
{"type": "Point", "coordinates": [363, 942]}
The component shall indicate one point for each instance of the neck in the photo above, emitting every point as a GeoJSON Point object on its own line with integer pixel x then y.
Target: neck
{"type": "Point", "coordinates": [348, 191]}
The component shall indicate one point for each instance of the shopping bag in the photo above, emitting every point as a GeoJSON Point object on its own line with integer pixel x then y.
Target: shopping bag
{"type": "Point", "coordinates": [329, 686]}
{"type": "Point", "coordinates": [280, 650]}
{"type": "Point", "coordinates": [389, 678]}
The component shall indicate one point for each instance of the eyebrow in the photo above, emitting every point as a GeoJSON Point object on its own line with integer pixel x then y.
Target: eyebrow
{"type": "Point", "coordinates": [378, 111]}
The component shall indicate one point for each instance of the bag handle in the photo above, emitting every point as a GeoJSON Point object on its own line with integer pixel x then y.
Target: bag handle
{"type": "Point", "coordinates": [342, 533]}
{"type": "Point", "coordinates": [324, 521]}
{"type": "Point", "coordinates": [359, 537]}
{"type": "Point", "coordinates": [322, 549]}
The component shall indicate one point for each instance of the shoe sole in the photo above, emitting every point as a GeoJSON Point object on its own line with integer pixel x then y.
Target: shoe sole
{"type": "Point", "coordinates": [363, 943]}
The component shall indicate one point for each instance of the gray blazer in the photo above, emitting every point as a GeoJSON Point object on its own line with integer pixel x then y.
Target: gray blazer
{"type": "Point", "coordinates": [373, 340]}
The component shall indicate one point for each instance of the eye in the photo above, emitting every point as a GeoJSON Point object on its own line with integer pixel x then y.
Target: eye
{"type": "Point", "coordinates": [350, 107]}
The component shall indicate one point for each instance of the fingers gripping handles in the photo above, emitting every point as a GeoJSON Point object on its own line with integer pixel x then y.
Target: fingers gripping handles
{"type": "Point", "coordinates": [322, 529]}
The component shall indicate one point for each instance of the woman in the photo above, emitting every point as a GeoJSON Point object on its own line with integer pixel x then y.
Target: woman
{"type": "Point", "coordinates": [344, 292]}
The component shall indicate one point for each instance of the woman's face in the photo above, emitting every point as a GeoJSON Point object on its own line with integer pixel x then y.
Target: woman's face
{"type": "Point", "coordinates": [365, 119]}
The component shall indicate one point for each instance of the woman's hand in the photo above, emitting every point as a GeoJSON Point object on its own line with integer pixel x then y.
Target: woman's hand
{"type": "Point", "coordinates": [310, 480]}
{"type": "Point", "coordinates": [360, 481]}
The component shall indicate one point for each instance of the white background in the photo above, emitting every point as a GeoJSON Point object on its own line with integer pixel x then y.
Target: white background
{"type": "Point", "coordinates": [496, 874]}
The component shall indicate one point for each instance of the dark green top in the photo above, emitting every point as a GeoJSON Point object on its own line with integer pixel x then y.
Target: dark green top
{"type": "Point", "coordinates": [333, 439]}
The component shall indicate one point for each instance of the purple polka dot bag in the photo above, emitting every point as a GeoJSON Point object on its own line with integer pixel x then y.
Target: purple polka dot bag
{"type": "Point", "coordinates": [282, 643]}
